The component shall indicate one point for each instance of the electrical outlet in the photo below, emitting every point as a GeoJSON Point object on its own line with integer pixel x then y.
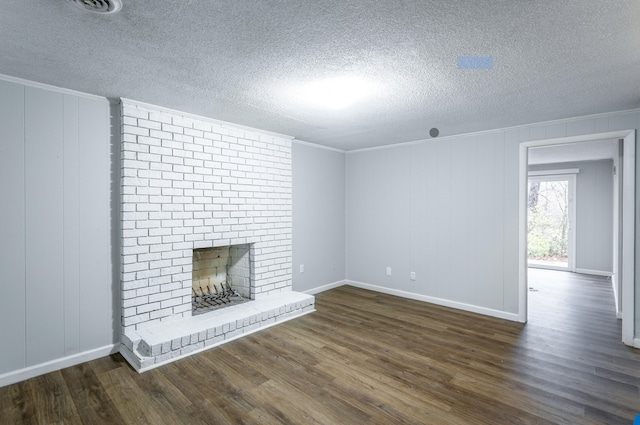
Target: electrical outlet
{"type": "Point", "coordinates": [388, 271]}
{"type": "Point", "coordinates": [301, 268]}
{"type": "Point", "coordinates": [412, 276]}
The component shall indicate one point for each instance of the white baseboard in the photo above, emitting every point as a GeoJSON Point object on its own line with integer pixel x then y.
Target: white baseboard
{"type": "Point", "coordinates": [594, 272]}
{"type": "Point", "coordinates": [616, 300]}
{"type": "Point", "coordinates": [439, 301]}
{"type": "Point", "coordinates": [636, 343]}
{"type": "Point", "coordinates": [326, 287]}
{"type": "Point", "coordinates": [57, 364]}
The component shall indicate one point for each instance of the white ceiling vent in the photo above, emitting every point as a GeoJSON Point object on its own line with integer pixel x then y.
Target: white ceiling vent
{"type": "Point", "coordinates": [100, 6]}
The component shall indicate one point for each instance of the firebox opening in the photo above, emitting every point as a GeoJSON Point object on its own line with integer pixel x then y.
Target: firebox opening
{"type": "Point", "coordinates": [221, 277]}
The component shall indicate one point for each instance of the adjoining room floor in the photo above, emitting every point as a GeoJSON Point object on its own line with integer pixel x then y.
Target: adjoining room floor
{"type": "Point", "coordinates": [371, 358]}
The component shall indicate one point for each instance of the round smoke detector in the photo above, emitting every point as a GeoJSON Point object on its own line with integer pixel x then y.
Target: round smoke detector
{"type": "Point", "coordinates": [99, 6]}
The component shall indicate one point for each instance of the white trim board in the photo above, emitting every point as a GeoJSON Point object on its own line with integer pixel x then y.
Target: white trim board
{"type": "Point", "coordinates": [554, 172]}
{"type": "Point", "coordinates": [548, 267]}
{"type": "Point", "coordinates": [629, 200]}
{"type": "Point", "coordinates": [499, 130]}
{"type": "Point", "coordinates": [43, 86]}
{"type": "Point", "coordinates": [57, 364]}
{"type": "Point", "coordinates": [614, 287]}
{"type": "Point", "coordinates": [326, 287]}
{"type": "Point", "coordinates": [438, 301]}
{"type": "Point", "coordinates": [595, 272]}
{"type": "Point", "coordinates": [418, 297]}
{"type": "Point", "coordinates": [317, 146]}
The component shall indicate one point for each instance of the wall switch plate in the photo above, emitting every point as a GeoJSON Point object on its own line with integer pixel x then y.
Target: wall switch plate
{"type": "Point", "coordinates": [412, 275]}
{"type": "Point", "coordinates": [301, 268]}
{"type": "Point", "coordinates": [388, 271]}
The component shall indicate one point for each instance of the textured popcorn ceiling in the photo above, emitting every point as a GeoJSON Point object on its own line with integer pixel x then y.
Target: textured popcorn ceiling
{"type": "Point", "coordinates": [243, 61]}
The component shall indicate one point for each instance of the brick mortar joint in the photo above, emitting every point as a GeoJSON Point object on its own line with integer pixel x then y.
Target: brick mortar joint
{"type": "Point", "coordinates": [273, 155]}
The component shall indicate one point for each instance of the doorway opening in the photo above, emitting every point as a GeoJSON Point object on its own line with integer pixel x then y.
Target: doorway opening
{"type": "Point", "coordinates": [624, 232]}
{"type": "Point", "coordinates": [551, 221]}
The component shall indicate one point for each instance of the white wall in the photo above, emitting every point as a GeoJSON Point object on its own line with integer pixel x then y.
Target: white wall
{"type": "Point", "coordinates": [436, 209]}
{"type": "Point", "coordinates": [57, 287]}
{"type": "Point", "coordinates": [448, 209]}
{"type": "Point", "coordinates": [594, 213]}
{"type": "Point", "coordinates": [318, 216]}
{"type": "Point", "coordinates": [415, 207]}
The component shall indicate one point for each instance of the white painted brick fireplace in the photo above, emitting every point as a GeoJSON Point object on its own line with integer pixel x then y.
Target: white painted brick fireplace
{"type": "Point", "coordinates": [188, 183]}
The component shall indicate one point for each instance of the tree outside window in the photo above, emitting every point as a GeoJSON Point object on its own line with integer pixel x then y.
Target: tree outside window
{"type": "Point", "coordinates": [548, 221]}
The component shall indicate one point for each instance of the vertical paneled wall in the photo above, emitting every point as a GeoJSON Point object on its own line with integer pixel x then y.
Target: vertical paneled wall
{"type": "Point", "coordinates": [447, 209]}
{"type": "Point", "coordinates": [44, 231]}
{"type": "Point", "coordinates": [594, 243]}
{"type": "Point", "coordinates": [318, 216]}
{"type": "Point", "coordinates": [57, 287]}
{"type": "Point", "coordinates": [435, 209]}
{"type": "Point", "coordinates": [99, 318]}
{"type": "Point", "coordinates": [12, 228]}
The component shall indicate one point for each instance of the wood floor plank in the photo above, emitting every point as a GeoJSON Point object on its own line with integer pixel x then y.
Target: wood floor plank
{"type": "Point", "coordinates": [130, 399]}
{"type": "Point", "coordinates": [108, 363]}
{"type": "Point", "coordinates": [50, 391]}
{"type": "Point", "coordinates": [383, 388]}
{"type": "Point", "coordinates": [206, 384]}
{"type": "Point", "coordinates": [378, 411]}
{"type": "Point", "coordinates": [18, 404]}
{"type": "Point", "coordinates": [367, 357]}
{"type": "Point", "coordinates": [287, 404]}
{"type": "Point", "coordinates": [92, 401]}
{"type": "Point", "coordinates": [168, 400]}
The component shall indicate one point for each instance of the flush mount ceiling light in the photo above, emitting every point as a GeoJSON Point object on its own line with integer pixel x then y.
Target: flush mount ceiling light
{"type": "Point", "coordinates": [99, 6]}
{"type": "Point", "coordinates": [337, 92]}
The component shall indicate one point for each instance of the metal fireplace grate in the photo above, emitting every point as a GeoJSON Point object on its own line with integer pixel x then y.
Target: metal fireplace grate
{"type": "Point", "coordinates": [213, 297]}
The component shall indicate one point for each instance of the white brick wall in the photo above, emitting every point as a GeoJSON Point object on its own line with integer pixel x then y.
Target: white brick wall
{"type": "Point", "coordinates": [188, 183]}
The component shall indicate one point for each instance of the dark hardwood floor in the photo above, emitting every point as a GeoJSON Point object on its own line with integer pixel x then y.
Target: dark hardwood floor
{"type": "Point", "coordinates": [365, 357]}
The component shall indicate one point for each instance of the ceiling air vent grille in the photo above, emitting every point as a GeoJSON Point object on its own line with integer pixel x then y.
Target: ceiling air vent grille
{"type": "Point", "coordinates": [99, 6]}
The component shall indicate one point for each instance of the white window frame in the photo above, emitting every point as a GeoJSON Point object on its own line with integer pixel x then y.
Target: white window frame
{"type": "Point", "coordinates": [570, 177]}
